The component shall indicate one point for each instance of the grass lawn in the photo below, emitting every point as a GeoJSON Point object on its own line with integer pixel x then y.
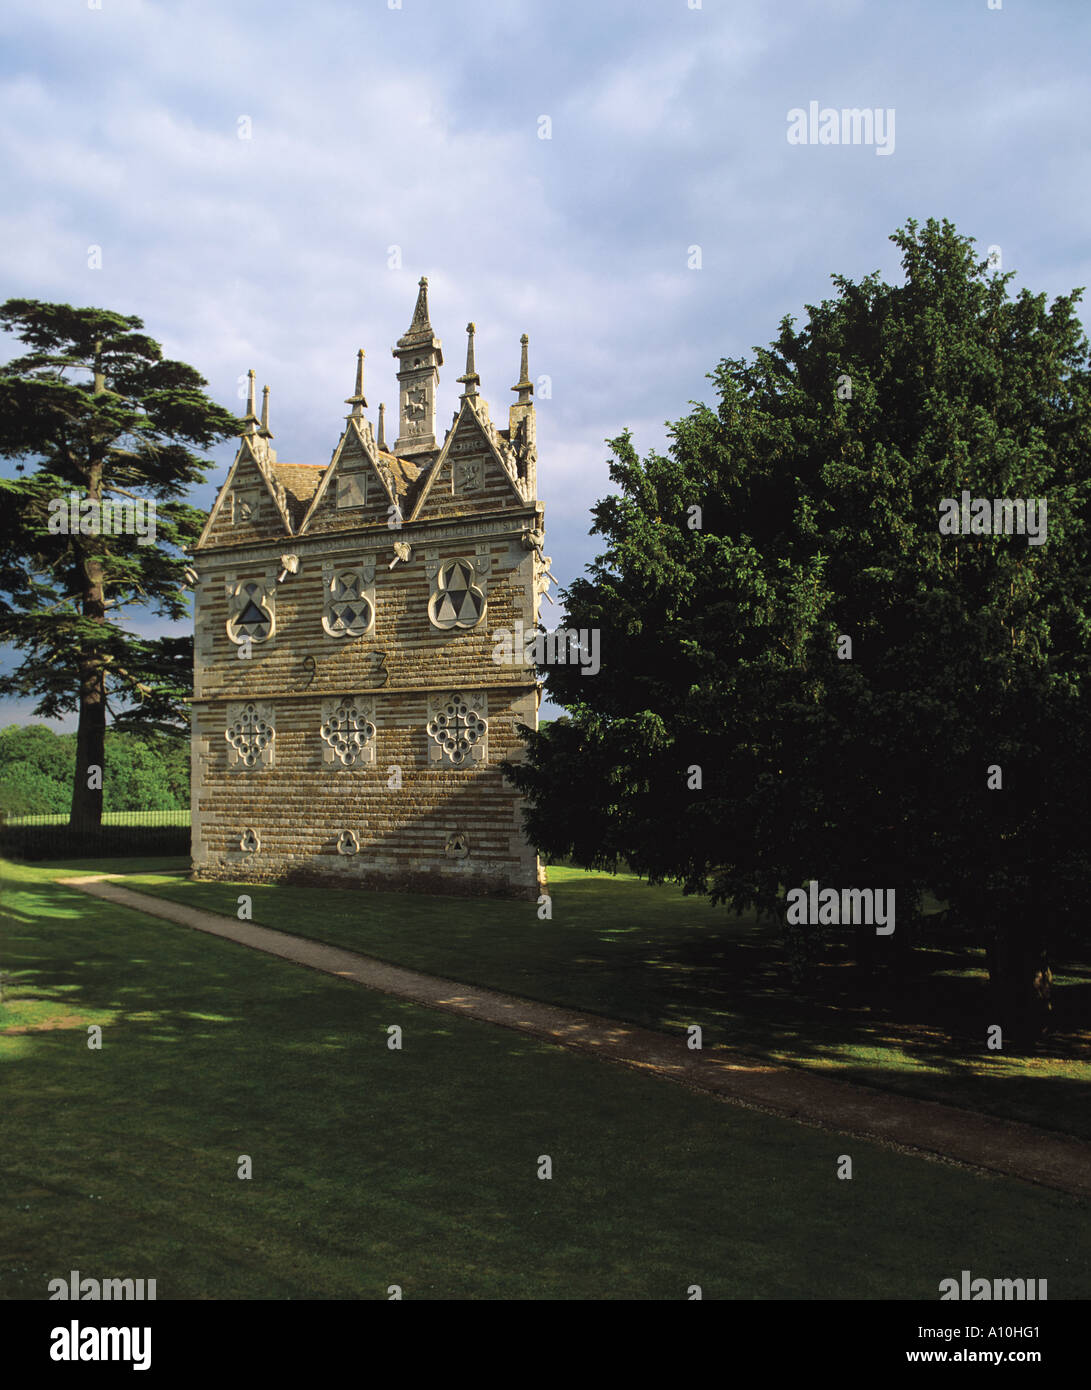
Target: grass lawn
{"type": "Point", "coordinates": [618, 947]}
{"type": "Point", "coordinates": [419, 1167]}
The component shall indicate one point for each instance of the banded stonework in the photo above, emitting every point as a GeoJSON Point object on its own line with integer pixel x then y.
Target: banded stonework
{"type": "Point", "coordinates": [348, 717]}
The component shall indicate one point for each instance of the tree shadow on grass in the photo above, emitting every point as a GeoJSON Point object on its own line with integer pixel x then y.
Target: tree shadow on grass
{"type": "Point", "coordinates": [917, 1023]}
{"type": "Point", "coordinates": [653, 957]}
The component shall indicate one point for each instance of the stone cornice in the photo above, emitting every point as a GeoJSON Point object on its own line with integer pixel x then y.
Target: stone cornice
{"type": "Point", "coordinates": [376, 539]}
{"type": "Point", "coordinates": [360, 688]}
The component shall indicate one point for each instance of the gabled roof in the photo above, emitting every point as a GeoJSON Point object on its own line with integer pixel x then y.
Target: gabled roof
{"type": "Point", "coordinates": [396, 476]}
{"type": "Point", "coordinates": [406, 474]}
{"type": "Point", "coordinates": [489, 434]}
{"type": "Point", "coordinates": [251, 456]}
{"type": "Point", "coordinates": [300, 482]}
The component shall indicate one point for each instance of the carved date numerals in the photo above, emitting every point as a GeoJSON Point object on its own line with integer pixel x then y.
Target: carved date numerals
{"type": "Point", "coordinates": [377, 674]}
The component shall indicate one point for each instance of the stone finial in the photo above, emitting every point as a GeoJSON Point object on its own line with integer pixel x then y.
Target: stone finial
{"type": "Point", "coordinates": [357, 400]}
{"type": "Point", "coordinates": [382, 426]}
{"type": "Point", "coordinates": [265, 431]}
{"type": "Point", "coordinates": [524, 385]}
{"type": "Point", "coordinates": [251, 418]}
{"type": "Point", "coordinates": [471, 378]}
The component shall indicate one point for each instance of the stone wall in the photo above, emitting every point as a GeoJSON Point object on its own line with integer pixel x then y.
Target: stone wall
{"type": "Point", "coordinates": [400, 816]}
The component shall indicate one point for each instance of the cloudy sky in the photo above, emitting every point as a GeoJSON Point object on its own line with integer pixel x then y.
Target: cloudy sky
{"type": "Point", "coordinates": [267, 181]}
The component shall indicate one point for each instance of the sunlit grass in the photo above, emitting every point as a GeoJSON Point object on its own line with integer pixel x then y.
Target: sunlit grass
{"type": "Point", "coordinates": [419, 1167]}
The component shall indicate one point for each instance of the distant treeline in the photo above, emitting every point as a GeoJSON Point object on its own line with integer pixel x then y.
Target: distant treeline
{"type": "Point", "coordinates": [142, 772]}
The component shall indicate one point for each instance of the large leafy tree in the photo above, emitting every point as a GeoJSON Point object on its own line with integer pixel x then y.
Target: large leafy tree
{"type": "Point", "coordinates": [94, 408]}
{"type": "Point", "coordinates": [819, 477]}
{"type": "Point", "coordinates": [147, 772]}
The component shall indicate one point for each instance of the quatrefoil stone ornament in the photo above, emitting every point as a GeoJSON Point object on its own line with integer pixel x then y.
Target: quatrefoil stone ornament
{"type": "Point", "coordinates": [457, 730]}
{"type": "Point", "coordinates": [348, 731]}
{"type": "Point", "coordinates": [250, 734]}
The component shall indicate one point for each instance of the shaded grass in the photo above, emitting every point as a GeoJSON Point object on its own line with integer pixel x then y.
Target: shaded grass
{"type": "Point", "coordinates": [418, 1167]}
{"type": "Point", "coordinates": [616, 946]}
{"type": "Point", "coordinates": [151, 834]}
{"type": "Point", "coordinates": [177, 816]}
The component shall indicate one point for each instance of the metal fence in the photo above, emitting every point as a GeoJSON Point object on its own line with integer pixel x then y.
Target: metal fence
{"type": "Point", "coordinates": [122, 834]}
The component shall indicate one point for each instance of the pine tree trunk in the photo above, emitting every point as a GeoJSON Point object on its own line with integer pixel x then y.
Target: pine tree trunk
{"type": "Point", "coordinates": [86, 811]}
{"type": "Point", "coordinates": [87, 789]}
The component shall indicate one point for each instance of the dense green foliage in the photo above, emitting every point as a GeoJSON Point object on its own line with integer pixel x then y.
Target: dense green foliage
{"type": "Point", "coordinates": [147, 773]}
{"type": "Point", "coordinates": [819, 517]}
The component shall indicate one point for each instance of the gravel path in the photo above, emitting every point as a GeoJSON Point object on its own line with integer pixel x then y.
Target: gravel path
{"type": "Point", "coordinates": [924, 1127]}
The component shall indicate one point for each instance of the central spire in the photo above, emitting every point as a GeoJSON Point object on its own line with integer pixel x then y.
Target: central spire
{"type": "Point", "coordinates": [420, 355]}
{"type": "Point", "coordinates": [419, 323]}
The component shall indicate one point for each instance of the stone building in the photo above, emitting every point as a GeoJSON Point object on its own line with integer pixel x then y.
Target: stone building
{"type": "Point", "coordinates": [349, 711]}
